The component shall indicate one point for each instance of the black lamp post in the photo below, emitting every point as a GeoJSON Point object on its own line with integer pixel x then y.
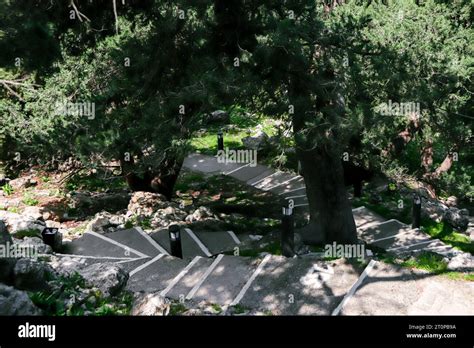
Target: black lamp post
{"type": "Point", "coordinates": [220, 140]}
{"type": "Point", "coordinates": [52, 237]}
{"type": "Point", "coordinates": [287, 233]}
{"type": "Point", "coordinates": [175, 241]}
{"type": "Point", "coordinates": [416, 211]}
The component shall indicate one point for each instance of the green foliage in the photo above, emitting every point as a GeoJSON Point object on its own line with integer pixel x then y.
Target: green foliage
{"type": "Point", "coordinates": [427, 261]}
{"type": "Point", "coordinates": [7, 189]}
{"type": "Point", "coordinates": [28, 199]}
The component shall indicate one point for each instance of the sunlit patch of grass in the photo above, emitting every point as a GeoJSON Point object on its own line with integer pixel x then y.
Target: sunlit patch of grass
{"type": "Point", "coordinates": [468, 277]}
{"type": "Point", "coordinates": [427, 261]}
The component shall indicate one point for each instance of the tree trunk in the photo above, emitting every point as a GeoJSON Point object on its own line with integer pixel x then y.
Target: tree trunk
{"type": "Point", "coordinates": [331, 217]}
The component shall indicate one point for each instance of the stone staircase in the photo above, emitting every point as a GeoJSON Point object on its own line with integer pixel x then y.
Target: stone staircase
{"type": "Point", "coordinates": [273, 283]}
{"type": "Point", "coordinates": [391, 235]}
{"type": "Point", "coordinates": [285, 286]}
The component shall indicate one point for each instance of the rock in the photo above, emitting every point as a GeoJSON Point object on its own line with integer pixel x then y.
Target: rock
{"type": "Point", "coordinates": [150, 304]}
{"type": "Point", "coordinates": [146, 203]}
{"type": "Point", "coordinates": [35, 244]}
{"type": "Point", "coordinates": [451, 201]}
{"type": "Point", "coordinates": [458, 218]}
{"type": "Point", "coordinates": [18, 223]}
{"type": "Point", "coordinates": [105, 222]}
{"type": "Point", "coordinates": [109, 278]}
{"type": "Point", "coordinates": [92, 203]}
{"type": "Point", "coordinates": [32, 275]}
{"type": "Point", "coordinates": [35, 213]}
{"type": "Point", "coordinates": [461, 262]}
{"type": "Point", "coordinates": [437, 211]}
{"type": "Point", "coordinates": [218, 116]}
{"type": "Point", "coordinates": [257, 142]}
{"type": "Point", "coordinates": [22, 183]}
{"type": "Point", "coordinates": [16, 302]}
{"type": "Point", "coordinates": [202, 213]}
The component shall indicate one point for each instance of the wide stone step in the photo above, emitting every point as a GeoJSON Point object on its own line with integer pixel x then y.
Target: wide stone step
{"type": "Point", "coordinates": [365, 218]}
{"type": "Point", "coordinates": [93, 244]}
{"type": "Point", "coordinates": [137, 239]}
{"type": "Point", "coordinates": [261, 176]}
{"type": "Point", "coordinates": [298, 286]}
{"type": "Point", "coordinates": [188, 278]}
{"type": "Point", "coordinates": [156, 274]}
{"type": "Point", "coordinates": [272, 180]}
{"type": "Point", "coordinates": [290, 185]}
{"type": "Point", "coordinates": [219, 241]}
{"type": "Point", "coordinates": [382, 231]}
{"type": "Point", "coordinates": [223, 280]}
{"type": "Point", "coordinates": [245, 172]}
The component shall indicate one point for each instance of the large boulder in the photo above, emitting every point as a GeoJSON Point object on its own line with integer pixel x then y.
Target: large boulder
{"type": "Point", "coordinates": [218, 116]}
{"type": "Point", "coordinates": [461, 262]}
{"type": "Point", "coordinates": [32, 275]}
{"type": "Point", "coordinates": [35, 245]}
{"type": "Point", "coordinates": [105, 222]}
{"type": "Point", "coordinates": [256, 142]}
{"type": "Point", "coordinates": [150, 304]}
{"type": "Point", "coordinates": [17, 223]}
{"type": "Point", "coordinates": [435, 210]}
{"type": "Point", "coordinates": [23, 182]}
{"type": "Point", "coordinates": [16, 302]}
{"type": "Point", "coordinates": [109, 278]}
{"type": "Point", "coordinates": [91, 203]}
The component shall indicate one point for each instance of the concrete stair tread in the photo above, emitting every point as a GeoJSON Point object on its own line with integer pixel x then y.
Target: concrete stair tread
{"type": "Point", "coordinates": [386, 229]}
{"type": "Point", "coordinates": [136, 240]}
{"type": "Point", "coordinates": [218, 241]}
{"type": "Point", "coordinates": [184, 283]}
{"type": "Point", "coordinates": [226, 280]}
{"type": "Point", "coordinates": [157, 275]}
{"type": "Point", "coordinates": [295, 183]}
{"type": "Point", "coordinates": [91, 245]}
{"type": "Point", "coordinates": [246, 172]}
{"type": "Point", "coordinates": [365, 218]}
{"type": "Point", "coordinates": [261, 176]}
{"type": "Point", "coordinates": [300, 286]}
{"type": "Point", "coordinates": [272, 180]}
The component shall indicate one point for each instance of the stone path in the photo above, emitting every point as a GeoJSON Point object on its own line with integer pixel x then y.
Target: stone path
{"type": "Point", "coordinates": [282, 286]}
{"type": "Point", "coordinates": [392, 290]}
{"type": "Point", "coordinates": [274, 283]}
{"type": "Point", "coordinates": [391, 235]}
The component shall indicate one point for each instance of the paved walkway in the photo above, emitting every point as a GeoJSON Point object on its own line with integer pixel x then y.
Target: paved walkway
{"type": "Point", "coordinates": [391, 235]}
{"type": "Point", "coordinates": [282, 286]}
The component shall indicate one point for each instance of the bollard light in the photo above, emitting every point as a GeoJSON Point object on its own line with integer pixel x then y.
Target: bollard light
{"type": "Point", "coordinates": [52, 237]}
{"type": "Point", "coordinates": [287, 233]}
{"type": "Point", "coordinates": [416, 211]}
{"type": "Point", "coordinates": [175, 241]}
{"type": "Point", "coordinates": [220, 140]}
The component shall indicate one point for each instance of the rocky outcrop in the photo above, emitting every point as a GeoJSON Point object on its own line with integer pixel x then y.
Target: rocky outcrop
{"type": "Point", "coordinates": [257, 142]}
{"type": "Point", "coordinates": [109, 278]}
{"type": "Point", "coordinates": [16, 302]}
{"type": "Point", "coordinates": [32, 275]}
{"type": "Point", "coordinates": [457, 218]}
